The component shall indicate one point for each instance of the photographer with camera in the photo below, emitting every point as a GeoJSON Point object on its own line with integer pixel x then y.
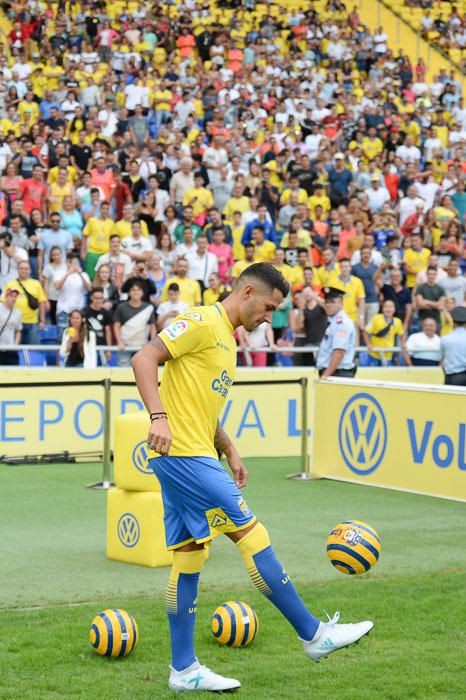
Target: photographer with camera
{"type": "Point", "coordinates": [72, 288]}
{"type": "Point", "coordinates": [10, 256]}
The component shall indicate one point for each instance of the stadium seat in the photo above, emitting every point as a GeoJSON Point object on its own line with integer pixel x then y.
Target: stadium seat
{"type": "Point", "coordinates": [36, 358]}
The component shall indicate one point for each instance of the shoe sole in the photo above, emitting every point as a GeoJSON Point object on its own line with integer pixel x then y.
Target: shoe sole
{"type": "Point", "coordinates": [366, 634]}
{"type": "Point", "coordinates": [203, 690]}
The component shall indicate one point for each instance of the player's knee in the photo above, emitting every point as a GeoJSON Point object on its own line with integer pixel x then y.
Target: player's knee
{"type": "Point", "coordinates": [189, 562]}
{"type": "Point", "coordinates": [254, 541]}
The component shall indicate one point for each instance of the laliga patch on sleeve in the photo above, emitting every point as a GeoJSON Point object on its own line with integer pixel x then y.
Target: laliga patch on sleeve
{"type": "Point", "coordinates": [176, 329]}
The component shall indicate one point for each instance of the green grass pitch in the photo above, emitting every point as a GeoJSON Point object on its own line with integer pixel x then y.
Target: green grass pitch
{"type": "Point", "coordinates": [54, 577]}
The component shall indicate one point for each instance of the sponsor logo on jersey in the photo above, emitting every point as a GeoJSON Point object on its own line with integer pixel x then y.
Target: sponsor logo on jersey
{"type": "Point", "coordinates": [176, 329]}
{"type": "Point", "coordinates": [223, 383]}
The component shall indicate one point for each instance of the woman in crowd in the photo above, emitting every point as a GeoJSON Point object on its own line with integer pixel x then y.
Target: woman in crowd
{"type": "Point", "coordinates": [11, 184]}
{"type": "Point", "coordinates": [53, 270]}
{"type": "Point", "coordinates": [147, 211]}
{"type": "Point", "coordinates": [260, 338]}
{"type": "Point", "coordinates": [72, 221]}
{"type": "Point", "coordinates": [78, 346]}
{"type": "Point", "coordinates": [103, 279]}
{"type": "Point", "coordinates": [171, 221]}
{"type": "Point", "coordinates": [157, 274]}
{"type": "Point", "coordinates": [166, 251]}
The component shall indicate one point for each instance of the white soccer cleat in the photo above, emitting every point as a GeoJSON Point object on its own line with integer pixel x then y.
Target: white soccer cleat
{"type": "Point", "coordinates": [331, 636]}
{"type": "Point", "coordinates": [197, 677]}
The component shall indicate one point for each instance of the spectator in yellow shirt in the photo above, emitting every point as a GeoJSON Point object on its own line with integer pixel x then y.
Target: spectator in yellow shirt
{"type": "Point", "coordinates": [215, 290]}
{"type": "Point", "coordinates": [327, 274]}
{"type": "Point", "coordinates": [354, 301]}
{"type": "Point", "coordinates": [383, 332]}
{"type": "Point", "coordinates": [237, 202]}
{"type": "Point", "coordinates": [241, 265]}
{"type": "Point", "coordinates": [123, 227]}
{"type": "Point", "coordinates": [28, 106]}
{"type": "Point", "coordinates": [33, 319]}
{"type": "Point", "coordinates": [199, 198]}
{"type": "Point", "coordinates": [294, 188]}
{"type": "Point", "coordinates": [416, 259]}
{"type": "Point", "coordinates": [190, 290]}
{"type": "Point", "coordinates": [319, 199]}
{"type": "Point", "coordinates": [264, 250]}
{"type": "Point", "coordinates": [59, 190]}
{"type": "Point", "coordinates": [372, 146]}
{"type": "Point", "coordinates": [279, 263]}
{"type": "Point", "coordinates": [96, 238]}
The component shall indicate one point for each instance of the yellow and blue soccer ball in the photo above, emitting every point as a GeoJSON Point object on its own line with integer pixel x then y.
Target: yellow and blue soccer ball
{"type": "Point", "coordinates": [114, 633]}
{"type": "Point", "coordinates": [234, 624]}
{"type": "Point", "coordinates": [353, 547]}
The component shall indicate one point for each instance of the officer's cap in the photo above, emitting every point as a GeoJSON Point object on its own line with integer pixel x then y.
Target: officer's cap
{"type": "Point", "coordinates": [459, 314]}
{"type": "Point", "coordinates": [332, 292]}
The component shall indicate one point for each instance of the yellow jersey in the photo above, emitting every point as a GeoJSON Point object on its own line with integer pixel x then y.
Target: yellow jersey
{"type": "Point", "coordinates": [196, 382]}
{"type": "Point", "coordinates": [57, 195]}
{"type": "Point", "coordinates": [286, 196]}
{"type": "Point", "coordinates": [238, 247]}
{"type": "Point", "coordinates": [328, 277]}
{"type": "Point", "coordinates": [417, 260]}
{"type": "Point", "coordinates": [354, 291]}
{"type": "Point", "coordinates": [264, 252]}
{"type": "Point", "coordinates": [34, 287]}
{"type": "Point", "coordinates": [199, 198]}
{"type": "Point", "coordinates": [240, 204]}
{"type": "Point", "coordinates": [190, 291]}
{"type": "Point", "coordinates": [123, 228]}
{"type": "Point", "coordinates": [239, 267]}
{"type": "Point", "coordinates": [209, 297]}
{"type": "Point", "coordinates": [288, 272]}
{"type": "Point", "coordinates": [378, 324]}
{"type": "Point", "coordinates": [98, 232]}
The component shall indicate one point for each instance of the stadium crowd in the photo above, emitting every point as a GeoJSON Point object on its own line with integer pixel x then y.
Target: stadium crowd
{"type": "Point", "coordinates": [149, 154]}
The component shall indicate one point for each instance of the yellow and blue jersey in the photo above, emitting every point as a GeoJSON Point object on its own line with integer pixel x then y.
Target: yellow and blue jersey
{"type": "Point", "coordinates": [196, 382]}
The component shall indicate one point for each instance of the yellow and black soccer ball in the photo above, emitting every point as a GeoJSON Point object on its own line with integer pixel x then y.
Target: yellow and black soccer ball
{"type": "Point", "coordinates": [353, 547]}
{"type": "Point", "coordinates": [114, 633]}
{"type": "Point", "coordinates": [234, 624]}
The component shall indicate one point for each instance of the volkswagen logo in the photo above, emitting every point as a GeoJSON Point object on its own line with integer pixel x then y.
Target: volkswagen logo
{"type": "Point", "coordinates": [140, 456]}
{"type": "Point", "coordinates": [362, 434]}
{"type": "Point", "coordinates": [128, 530]}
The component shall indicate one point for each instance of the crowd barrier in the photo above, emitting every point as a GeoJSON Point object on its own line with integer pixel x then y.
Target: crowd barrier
{"type": "Point", "coordinates": [49, 411]}
{"type": "Point", "coordinates": [401, 436]}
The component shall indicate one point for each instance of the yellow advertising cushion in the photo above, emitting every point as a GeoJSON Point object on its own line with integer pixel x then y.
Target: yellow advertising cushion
{"type": "Point", "coordinates": [131, 454]}
{"type": "Point", "coordinates": [135, 529]}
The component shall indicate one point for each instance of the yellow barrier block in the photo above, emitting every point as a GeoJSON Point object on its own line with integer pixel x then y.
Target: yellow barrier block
{"type": "Point", "coordinates": [135, 529]}
{"type": "Point", "coordinates": [131, 468]}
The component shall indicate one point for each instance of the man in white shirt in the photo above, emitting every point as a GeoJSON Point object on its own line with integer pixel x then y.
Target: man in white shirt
{"type": "Point", "coordinates": [136, 246]}
{"type": "Point", "coordinates": [201, 262]}
{"type": "Point", "coordinates": [168, 310]}
{"type": "Point", "coordinates": [376, 194]}
{"type": "Point", "coordinates": [428, 191]}
{"type": "Point", "coordinates": [432, 144]}
{"type": "Point", "coordinates": [312, 141]}
{"type": "Point", "coordinates": [424, 348]}
{"type": "Point", "coordinates": [108, 120]}
{"type": "Point", "coordinates": [182, 181]}
{"type": "Point", "coordinates": [408, 152]}
{"type": "Point", "coordinates": [408, 205]}
{"type": "Point", "coordinates": [119, 262]}
{"type": "Point", "coordinates": [183, 109]}
{"type": "Point", "coordinates": [215, 156]}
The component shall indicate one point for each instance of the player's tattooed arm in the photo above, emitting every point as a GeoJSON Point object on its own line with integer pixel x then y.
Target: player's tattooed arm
{"type": "Point", "coordinates": [163, 355]}
{"type": "Point", "coordinates": [221, 440]}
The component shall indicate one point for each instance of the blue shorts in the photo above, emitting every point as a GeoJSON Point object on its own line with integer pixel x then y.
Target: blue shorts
{"type": "Point", "coordinates": [200, 499]}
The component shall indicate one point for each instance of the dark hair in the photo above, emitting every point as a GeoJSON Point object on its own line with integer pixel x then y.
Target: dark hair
{"type": "Point", "coordinates": [136, 283]}
{"type": "Point", "coordinates": [100, 290]}
{"type": "Point", "coordinates": [114, 235]}
{"type": "Point", "coordinates": [173, 287]}
{"type": "Point", "coordinates": [268, 275]}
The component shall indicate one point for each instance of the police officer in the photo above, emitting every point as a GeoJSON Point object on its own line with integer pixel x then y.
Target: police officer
{"type": "Point", "coordinates": [454, 349]}
{"type": "Point", "coordinates": [336, 352]}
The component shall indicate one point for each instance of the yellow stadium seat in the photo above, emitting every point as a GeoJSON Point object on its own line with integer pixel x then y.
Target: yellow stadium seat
{"type": "Point", "coordinates": [135, 529]}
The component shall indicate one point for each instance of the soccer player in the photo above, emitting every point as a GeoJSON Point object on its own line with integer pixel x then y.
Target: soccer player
{"type": "Point", "coordinates": [199, 497]}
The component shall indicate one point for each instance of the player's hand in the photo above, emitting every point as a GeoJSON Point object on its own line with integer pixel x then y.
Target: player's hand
{"type": "Point", "coordinates": [160, 437]}
{"type": "Point", "coordinates": [239, 471]}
